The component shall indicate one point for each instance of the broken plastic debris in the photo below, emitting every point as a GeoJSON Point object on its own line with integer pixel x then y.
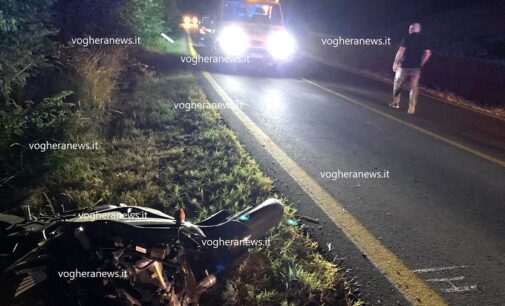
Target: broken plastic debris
{"type": "Point", "coordinates": [244, 218]}
{"type": "Point", "coordinates": [292, 222]}
{"type": "Point", "coordinates": [309, 219]}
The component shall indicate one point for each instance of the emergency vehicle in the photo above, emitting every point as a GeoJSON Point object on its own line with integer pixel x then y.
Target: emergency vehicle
{"type": "Point", "coordinates": [253, 28]}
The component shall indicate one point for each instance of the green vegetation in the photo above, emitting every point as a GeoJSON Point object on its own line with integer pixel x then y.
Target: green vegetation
{"type": "Point", "coordinates": [162, 46]}
{"type": "Point", "coordinates": [152, 154]}
{"type": "Point", "coordinates": [289, 272]}
{"type": "Point", "coordinates": [53, 92]}
{"type": "Point", "coordinates": [165, 158]}
{"type": "Point", "coordinates": [24, 40]}
{"type": "Point", "coordinates": [149, 153]}
{"type": "Point", "coordinates": [148, 19]}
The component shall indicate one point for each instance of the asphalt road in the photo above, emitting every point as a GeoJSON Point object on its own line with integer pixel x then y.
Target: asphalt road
{"type": "Point", "coordinates": [442, 210]}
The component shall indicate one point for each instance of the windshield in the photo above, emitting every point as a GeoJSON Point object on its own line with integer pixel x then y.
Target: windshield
{"type": "Point", "coordinates": [261, 13]}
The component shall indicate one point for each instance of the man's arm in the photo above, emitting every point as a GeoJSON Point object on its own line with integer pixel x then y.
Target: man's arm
{"type": "Point", "coordinates": [426, 57]}
{"type": "Point", "coordinates": [398, 58]}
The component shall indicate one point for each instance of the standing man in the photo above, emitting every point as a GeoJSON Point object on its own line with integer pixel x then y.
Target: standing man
{"type": "Point", "coordinates": [410, 58]}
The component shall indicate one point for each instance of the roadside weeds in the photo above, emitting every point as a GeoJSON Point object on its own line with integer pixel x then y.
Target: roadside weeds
{"type": "Point", "coordinates": [152, 154]}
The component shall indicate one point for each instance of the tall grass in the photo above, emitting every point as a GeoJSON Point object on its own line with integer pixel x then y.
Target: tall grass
{"type": "Point", "coordinates": [151, 154]}
{"type": "Point", "coordinates": [97, 75]}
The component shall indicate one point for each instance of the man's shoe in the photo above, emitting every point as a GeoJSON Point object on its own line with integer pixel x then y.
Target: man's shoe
{"type": "Point", "coordinates": [411, 111]}
{"type": "Point", "coordinates": [394, 105]}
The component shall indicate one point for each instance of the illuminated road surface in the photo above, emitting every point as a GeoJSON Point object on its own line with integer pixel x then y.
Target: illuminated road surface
{"type": "Point", "coordinates": [441, 212]}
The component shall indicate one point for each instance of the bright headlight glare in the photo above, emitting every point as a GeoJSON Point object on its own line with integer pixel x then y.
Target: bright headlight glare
{"type": "Point", "coordinates": [233, 41]}
{"type": "Point", "coordinates": [281, 45]}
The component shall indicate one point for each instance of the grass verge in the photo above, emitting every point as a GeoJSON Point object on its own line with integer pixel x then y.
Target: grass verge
{"type": "Point", "coordinates": [152, 154]}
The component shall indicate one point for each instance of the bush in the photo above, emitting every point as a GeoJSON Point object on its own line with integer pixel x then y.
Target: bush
{"type": "Point", "coordinates": [32, 122]}
{"type": "Point", "coordinates": [149, 18]}
{"type": "Point", "coordinates": [25, 34]}
{"type": "Point", "coordinates": [97, 73]}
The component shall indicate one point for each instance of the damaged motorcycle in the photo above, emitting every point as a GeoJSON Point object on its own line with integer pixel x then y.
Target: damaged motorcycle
{"type": "Point", "coordinates": [124, 255]}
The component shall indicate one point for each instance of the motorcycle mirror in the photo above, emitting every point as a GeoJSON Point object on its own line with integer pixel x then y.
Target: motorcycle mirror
{"type": "Point", "coordinates": [192, 229]}
{"type": "Point", "coordinates": [188, 227]}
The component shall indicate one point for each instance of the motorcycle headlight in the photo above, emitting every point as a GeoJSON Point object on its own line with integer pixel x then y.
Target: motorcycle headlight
{"type": "Point", "coordinates": [281, 45]}
{"type": "Point", "coordinates": [233, 41]}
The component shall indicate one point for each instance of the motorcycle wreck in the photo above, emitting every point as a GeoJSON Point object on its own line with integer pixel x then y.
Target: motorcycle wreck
{"type": "Point", "coordinates": [124, 255]}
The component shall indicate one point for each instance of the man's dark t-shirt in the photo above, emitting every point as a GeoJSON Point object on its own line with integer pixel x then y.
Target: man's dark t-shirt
{"type": "Point", "coordinates": [415, 44]}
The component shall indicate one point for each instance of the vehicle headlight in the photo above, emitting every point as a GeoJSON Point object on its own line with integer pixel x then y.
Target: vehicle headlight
{"type": "Point", "coordinates": [195, 20]}
{"type": "Point", "coordinates": [281, 45]}
{"type": "Point", "coordinates": [233, 41]}
{"type": "Point", "coordinates": [186, 19]}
